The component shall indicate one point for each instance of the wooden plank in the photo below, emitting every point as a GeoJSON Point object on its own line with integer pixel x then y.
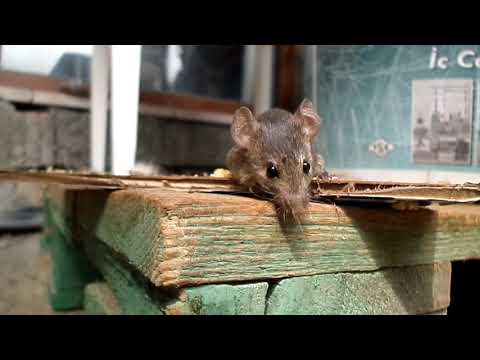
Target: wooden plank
{"type": "Point", "coordinates": [185, 114]}
{"type": "Point", "coordinates": [222, 299]}
{"type": "Point", "coordinates": [396, 291]}
{"type": "Point", "coordinates": [50, 98]}
{"type": "Point", "coordinates": [59, 206]}
{"type": "Point", "coordinates": [21, 80]}
{"type": "Point", "coordinates": [135, 295]}
{"type": "Point", "coordinates": [70, 272]}
{"type": "Point", "coordinates": [129, 287]}
{"type": "Point", "coordinates": [16, 94]}
{"type": "Point", "coordinates": [100, 300]}
{"type": "Point", "coordinates": [185, 239]}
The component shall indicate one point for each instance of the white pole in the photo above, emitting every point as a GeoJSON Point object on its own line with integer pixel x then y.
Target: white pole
{"type": "Point", "coordinates": [100, 71]}
{"type": "Point", "coordinates": [125, 104]}
{"type": "Point", "coordinates": [263, 78]}
{"type": "Point", "coordinates": [249, 64]}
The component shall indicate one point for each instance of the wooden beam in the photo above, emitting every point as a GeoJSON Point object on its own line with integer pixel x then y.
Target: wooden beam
{"type": "Point", "coordinates": [184, 239]}
{"type": "Point", "coordinates": [420, 289]}
{"type": "Point", "coordinates": [32, 81]}
{"type": "Point", "coordinates": [393, 291]}
{"type": "Point", "coordinates": [13, 94]}
{"type": "Point", "coordinates": [71, 271]}
{"type": "Point", "coordinates": [135, 295]}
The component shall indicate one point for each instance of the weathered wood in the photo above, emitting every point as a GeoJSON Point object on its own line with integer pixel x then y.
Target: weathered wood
{"type": "Point", "coordinates": [59, 206]}
{"type": "Point", "coordinates": [136, 296]}
{"type": "Point", "coordinates": [223, 299]}
{"type": "Point", "coordinates": [129, 287]}
{"type": "Point", "coordinates": [181, 239]}
{"type": "Point", "coordinates": [396, 291]}
{"type": "Point", "coordinates": [100, 300]}
{"type": "Point", "coordinates": [16, 94]}
{"type": "Point", "coordinates": [48, 98]}
{"type": "Point", "coordinates": [70, 272]}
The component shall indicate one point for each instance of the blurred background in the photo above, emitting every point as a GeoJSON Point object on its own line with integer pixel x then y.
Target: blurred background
{"type": "Point", "coordinates": [387, 114]}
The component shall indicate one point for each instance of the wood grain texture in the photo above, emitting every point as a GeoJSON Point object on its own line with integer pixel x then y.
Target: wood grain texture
{"type": "Point", "coordinates": [181, 239]}
{"type": "Point", "coordinates": [395, 291]}
{"type": "Point", "coordinates": [136, 296]}
{"type": "Point", "coordinates": [222, 299]}
{"type": "Point", "coordinates": [130, 288]}
{"type": "Point", "coordinates": [59, 208]}
{"type": "Point", "coordinates": [70, 271]}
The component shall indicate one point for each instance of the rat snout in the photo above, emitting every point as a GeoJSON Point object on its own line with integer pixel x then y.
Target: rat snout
{"type": "Point", "coordinates": [295, 204]}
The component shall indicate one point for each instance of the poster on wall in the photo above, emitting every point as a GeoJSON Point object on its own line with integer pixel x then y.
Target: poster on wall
{"type": "Point", "coordinates": [442, 121]}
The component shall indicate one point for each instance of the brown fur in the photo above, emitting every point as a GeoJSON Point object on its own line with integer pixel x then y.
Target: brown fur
{"type": "Point", "coordinates": [284, 139]}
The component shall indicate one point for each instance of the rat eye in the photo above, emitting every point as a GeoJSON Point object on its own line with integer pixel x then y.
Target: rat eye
{"type": "Point", "coordinates": [306, 167]}
{"type": "Point", "coordinates": [272, 171]}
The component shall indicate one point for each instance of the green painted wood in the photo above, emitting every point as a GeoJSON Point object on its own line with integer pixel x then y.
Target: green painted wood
{"type": "Point", "coordinates": [100, 300]}
{"type": "Point", "coordinates": [136, 295]}
{"type": "Point", "coordinates": [247, 299]}
{"type": "Point", "coordinates": [59, 205]}
{"type": "Point", "coordinates": [402, 291]}
{"type": "Point", "coordinates": [186, 239]}
{"type": "Point", "coordinates": [130, 288]}
{"type": "Point", "coordinates": [70, 272]}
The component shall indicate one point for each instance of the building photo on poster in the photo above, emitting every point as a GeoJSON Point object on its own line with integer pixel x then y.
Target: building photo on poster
{"type": "Point", "coordinates": [442, 121]}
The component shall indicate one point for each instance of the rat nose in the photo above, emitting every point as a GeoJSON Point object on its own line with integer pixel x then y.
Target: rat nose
{"type": "Point", "coordinates": [297, 203]}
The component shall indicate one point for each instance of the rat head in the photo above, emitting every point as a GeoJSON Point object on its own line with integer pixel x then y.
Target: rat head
{"type": "Point", "coordinates": [277, 154]}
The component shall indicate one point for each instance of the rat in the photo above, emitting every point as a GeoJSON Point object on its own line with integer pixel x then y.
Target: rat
{"type": "Point", "coordinates": [275, 154]}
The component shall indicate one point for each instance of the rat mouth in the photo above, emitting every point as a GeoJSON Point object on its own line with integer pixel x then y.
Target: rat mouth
{"type": "Point", "coordinates": [292, 208]}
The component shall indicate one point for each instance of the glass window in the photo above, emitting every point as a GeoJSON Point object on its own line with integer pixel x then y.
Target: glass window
{"type": "Point", "coordinates": [214, 71]}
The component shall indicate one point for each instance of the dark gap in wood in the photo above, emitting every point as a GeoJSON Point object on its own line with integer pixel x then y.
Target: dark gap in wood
{"type": "Point", "coordinates": [272, 284]}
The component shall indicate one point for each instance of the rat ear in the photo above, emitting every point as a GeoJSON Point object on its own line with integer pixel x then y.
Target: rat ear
{"type": "Point", "coordinates": [244, 126]}
{"type": "Point", "coordinates": [311, 121]}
